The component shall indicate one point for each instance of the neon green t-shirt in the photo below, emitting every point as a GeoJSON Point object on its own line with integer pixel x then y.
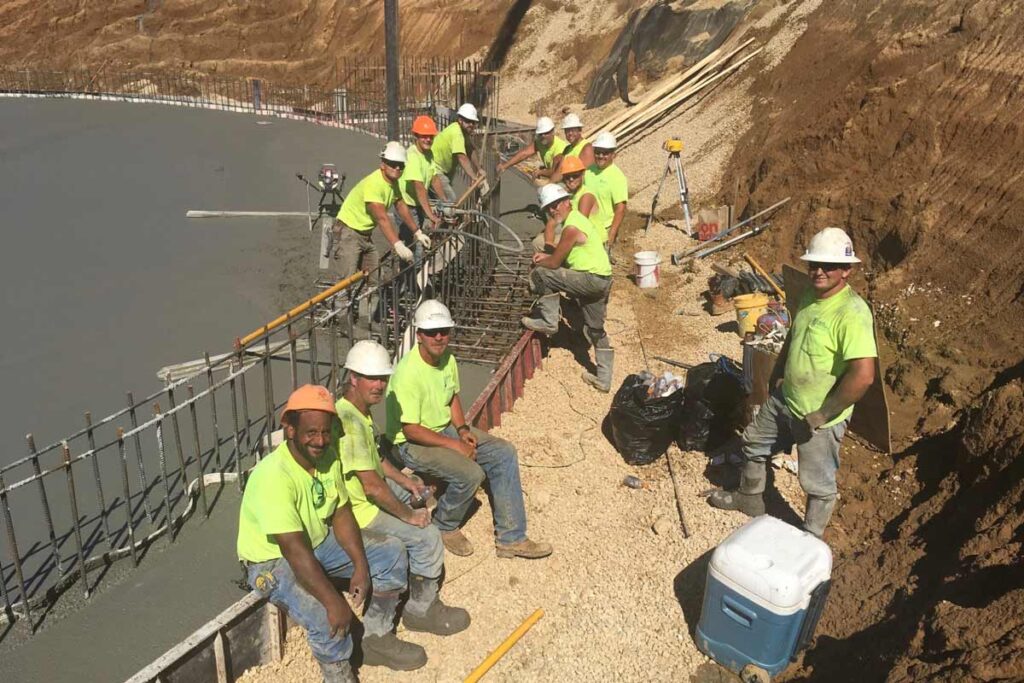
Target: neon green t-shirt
{"type": "Point", "coordinates": [575, 203]}
{"type": "Point", "coordinates": [826, 335]}
{"type": "Point", "coordinates": [418, 167]}
{"type": "Point", "coordinates": [589, 257]}
{"type": "Point", "coordinates": [358, 452]}
{"type": "Point", "coordinates": [610, 187]}
{"type": "Point", "coordinates": [279, 499]}
{"type": "Point", "coordinates": [373, 188]}
{"type": "Point", "coordinates": [574, 150]}
{"type": "Point", "coordinates": [547, 156]}
{"type": "Point", "coordinates": [419, 393]}
{"type": "Point", "coordinates": [447, 144]}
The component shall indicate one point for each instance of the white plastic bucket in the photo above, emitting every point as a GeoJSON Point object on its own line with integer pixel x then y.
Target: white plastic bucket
{"type": "Point", "coordinates": [646, 269]}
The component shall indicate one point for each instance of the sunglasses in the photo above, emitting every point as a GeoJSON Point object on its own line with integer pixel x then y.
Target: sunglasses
{"type": "Point", "coordinates": [572, 176]}
{"type": "Point", "coordinates": [319, 495]}
{"type": "Point", "coordinates": [827, 267]}
{"type": "Point", "coordinates": [439, 332]}
{"type": "Point", "coordinates": [394, 164]}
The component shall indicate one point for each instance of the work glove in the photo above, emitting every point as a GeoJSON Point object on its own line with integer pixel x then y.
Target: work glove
{"type": "Point", "coordinates": [403, 252]}
{"type": "Point", "coordinates": [485, 187]}
{"type": "Point", "coordinates": [422, 238]}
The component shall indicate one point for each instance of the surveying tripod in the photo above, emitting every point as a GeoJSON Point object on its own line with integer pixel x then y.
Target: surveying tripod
{"type": "Point", "coordinates": [674, 147]}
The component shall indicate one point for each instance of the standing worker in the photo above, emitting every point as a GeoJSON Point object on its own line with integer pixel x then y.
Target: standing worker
{"type": "Point", "coordinates": [380, 494]}
{"type": "Point", "coordinates": [583, 200]}
{"type": "Point", "coordinates": [579, 267]}
{"type": "Point", "coordinates": [296, 532]}
{"type": "Point", "coordinates": [576, 145]}
{"type": "Point", "coordinates": [548, 147]}
{"type": "Point", "coordinates": [419, 173]}
{"type": "Point", "coordinates": [450, 146]}
{"type": "Point", "coordinates": [609, 185]}
{"type": "Point", "coordinates": [826, 365]}
{"type": "Point", "coordinates": [428, 427]}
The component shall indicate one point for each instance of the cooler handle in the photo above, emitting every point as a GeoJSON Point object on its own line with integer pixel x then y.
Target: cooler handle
{"type": "Point", "coordinates": [737, 612]}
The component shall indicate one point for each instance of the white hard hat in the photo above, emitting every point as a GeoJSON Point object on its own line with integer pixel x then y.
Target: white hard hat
{"type": "Point", "coordinates": [432, 315]}
{"type": "Point", "coordinates": [368, 358]}
{"type": "Point", "coordinates": [831, 245]}
{"type": "Point", "coordinates": [571, 121]}
{"type": "Point", "coordinates": [549, 194]}
{"type": "Point", "coordinates": [544, 125]}
{"type": "Point", "coordinates": [604, 140]}
{"type": "Point", "coordinates": [393, 151]}
{"type": "Point", "coordinates": [468, 111]}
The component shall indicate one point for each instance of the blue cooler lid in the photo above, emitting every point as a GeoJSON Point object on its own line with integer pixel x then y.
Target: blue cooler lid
{"type": "Point", "coordinates": [772, 563]}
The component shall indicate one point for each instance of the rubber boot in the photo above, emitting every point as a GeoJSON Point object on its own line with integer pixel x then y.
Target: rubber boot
{"type": "Point", "coordinates": [337, 672]}
{"type": "Point", "coordinates": [381, 647]}
{"type": "Point", "coordinates": [545, 312]}
{"type": "Point", "coordinates": [425, 612]}
{"type": "Point", "coordinates": [749, 497]}
{"type": "Point", "coordinates": [817, 514]}
{"type": "Point", "coordinates": [602, 381]}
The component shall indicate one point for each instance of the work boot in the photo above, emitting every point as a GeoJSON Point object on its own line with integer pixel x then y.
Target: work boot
{"type": "Point", "coordinates": [602, 381]}
{"type": "Point", "coordinates": [530, 550]}
{"type": "Point", "coordinates": [545, 311]}
{"type": "Point", "coordinates": [817, 514]}
{"type": "Point", "coordinates": [456, 543]}
{"type": "Point", "coordinates": [381, 647]}
{"type": "Point", "coordinates": [749, 497]}
{"type": "Point", "coordinates": [337, 672]}
{"type": "Point", "coordinates": [425, 612]}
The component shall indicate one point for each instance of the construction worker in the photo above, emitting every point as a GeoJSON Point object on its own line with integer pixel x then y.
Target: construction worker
{"type": "Point", "coordinates": [296, 532]}
{"type": "Point", "coordinates": [366, 207]}
{"type": "Point", "coordinates": [578, 267]}
{"type": "Point", "coordinates": [548, 147]}
{"type": "Point", "coordinates": [583, 200]}
{"type": "Point", "coordinates": [826, 365]}
{"type": "Point", "coordinates": [576, 145]}
{"type": "Point", "coordinates": [450, 146]}
{"type": "Point", "coordinates": [419, 172]}
{"type": "Point", "coordinates": [609, 185]}
{"type": "Point", "coordinates": [380, 494]}
{"type": "Point", "coordinates": [427, 425]}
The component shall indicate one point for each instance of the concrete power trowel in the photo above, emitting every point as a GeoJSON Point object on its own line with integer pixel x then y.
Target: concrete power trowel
{"type": "Point", "coordinates": [329, 184]}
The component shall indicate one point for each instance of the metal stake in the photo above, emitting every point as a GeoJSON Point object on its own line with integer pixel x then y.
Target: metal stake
{"type": "Point", "coordinates": [74, 515]}
{"type": "Point", "coordinates": [104, 516]}
{"type": "Point", "coordinates": [138, 456]}
{"type": "Point", "coordinates": [123, 452]}
{"type": "Point", "coordinates": [198, 449]}
{"type": "Point", "coordinates": [46, 503]}
{"type": "Point", "coordinates": [5, 508]}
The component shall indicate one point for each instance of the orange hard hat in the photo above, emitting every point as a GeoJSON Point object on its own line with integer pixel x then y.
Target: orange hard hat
{"type": "Point", "coordinates": [424, 125]}
{"type": "Point", "coordinates": [310, 397]}
{"type": "Point", "coordinates": [572, 164]}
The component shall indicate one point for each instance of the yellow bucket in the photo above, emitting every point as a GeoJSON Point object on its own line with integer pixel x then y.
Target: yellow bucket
{"type": "Point", "coordinates": [749, 308]}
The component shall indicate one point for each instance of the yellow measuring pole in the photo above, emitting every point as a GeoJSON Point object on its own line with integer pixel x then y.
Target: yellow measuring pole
{"type": "Point", "coordinates": [493, 658]}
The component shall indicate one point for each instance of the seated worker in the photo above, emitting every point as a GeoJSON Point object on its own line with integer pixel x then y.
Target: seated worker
{"type": "Point", "coordinates": [296, 532]}
{"type": "Point", "coordinates": [579, 267]}
{"type": "Point", "coordinates": [609, 185]}
{"type": "Point", "coordinates": [380, 494]}
{"type": "Point", "coordinates": [576, 145]}
{"type": "Point", "coordinates": [583, 200]}
{"type": "Point", "coordinates": [426, 423]}
{"type": "Point", "coordinates": [450, 146]}
{"type": "Point", "coordinates": [419, 173]}
{"type": "Point", "coordinates": [548, 147]}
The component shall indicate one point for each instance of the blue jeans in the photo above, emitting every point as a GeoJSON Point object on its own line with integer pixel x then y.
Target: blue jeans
{"type": "Point", "coordinates": [496, 459]}
{"type": "Point", "coordinates": [274, 580]}
{"type": "Point", "coordinates": [426, 552]}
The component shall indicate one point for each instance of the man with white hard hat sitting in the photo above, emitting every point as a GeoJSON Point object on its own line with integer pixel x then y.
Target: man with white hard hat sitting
{"type": "Point", "coordinates": [450, 146]}
{"type": "Point", "coordinates": [826, 365]}
{"type": "Point", "coordinates": [548, 147]}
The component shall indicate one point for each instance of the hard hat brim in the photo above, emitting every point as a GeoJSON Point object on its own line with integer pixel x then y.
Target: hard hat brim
{"type": "Point", "coordinates": [829, 258]}
{"type": "Point", "coordinates": [435, 325]}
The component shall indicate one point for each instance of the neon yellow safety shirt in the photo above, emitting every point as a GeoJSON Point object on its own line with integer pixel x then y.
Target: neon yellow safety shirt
{"type": "Point", "coordinates": [280, 499]}
{"type": "Point", "coordinates": [547, 155]}
{"type": "Point", "coordinates": [358, 452]}
{"type": "Point", "coordinates": [589, 257]}
{"type": "Point", "coordinates": [574, 150]}
{"type": "Point", "coordinates": [575, 203]}
{"type": "Point", "coordinates": [447, 144]}
{"type": "Point", "coordinates": [419, 393]}
{"type": "Point", "coordinates": [610, 187]}
{"type": "Point", "coordinates": [418, 167]}
{"type": "Point", "coordinates": [826, 335]}
{"type": "Point", "coordinates": [373, 188]}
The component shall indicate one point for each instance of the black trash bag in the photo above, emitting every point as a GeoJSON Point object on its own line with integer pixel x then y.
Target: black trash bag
{"type": "Point", "coordinates": [714, 405]}
{"type": "Point", "coordinates": [642, 427]}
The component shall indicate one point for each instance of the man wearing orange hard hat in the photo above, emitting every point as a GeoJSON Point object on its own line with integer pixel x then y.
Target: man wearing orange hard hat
{"type": "Point", "coordinates": [296, 532]}
{"type": "Point", "coordinates": [419, 172]}
{"type": "Point", "coordinates": [583, 200]}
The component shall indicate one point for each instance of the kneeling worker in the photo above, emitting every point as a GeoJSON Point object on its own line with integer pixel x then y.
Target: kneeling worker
{"type": "Point", "coordinates": [583, 200]}
{"type": "Point", "coordinates": [296, 532]}
{"type": "Point", "coordinates": [380, 494]}
{"type": "Point", "coordinates": [585, 276]}
{"type": "Point", "coordinates": [428, 427]}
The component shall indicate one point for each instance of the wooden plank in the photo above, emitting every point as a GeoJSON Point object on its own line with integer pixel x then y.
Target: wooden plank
{"type": "Point", "coordinates": [220, 653]}
{"type": "Point", "coordinates": [276, 631]}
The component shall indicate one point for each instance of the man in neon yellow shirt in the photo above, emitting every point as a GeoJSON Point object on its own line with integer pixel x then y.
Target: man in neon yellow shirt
{"type": "Point", "coordinates": [450, 147]}
{"type": "Point", "coordinates": [548, 147]}
{"type": "Point", "coordinates": [583, 200]}
{"type": "Point", "coordinates": [296, 531]}
{"type": "Point", "coordinates": [826, 365]}
{"type": "Point", "coordinates": [419, 171]}
{"type": "Point", "coordinates": [381, 494]}
{"type": "Point", "coordinates": [579, 268]}
{"type": "Point", "coordinates": [609, 184]}
{"type": "Point", "coordinates": [576, 145]}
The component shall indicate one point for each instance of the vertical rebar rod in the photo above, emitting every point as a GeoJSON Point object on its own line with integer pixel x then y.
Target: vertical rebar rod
{"type": "Point", "coordinates": [178, 448]}
{"type": "Point", "coordinates": [391, 71]}
{"type": "Point", "coordinates": [247, 425]}
{"type": "Point", "coordinates": [162, 457]}
{"type": "Point", "coordinates": [12, 542]}
{"type": "Point", "coordinates": [268, 387]}
{"type": "Point", "coordinates": [213, 414]}
{"type": "Point", "coordinates": [46, 503]}
{"type": "Point", "coordinates": [138, 456]}
{"type": "Point", "coordinates": [291, 357]}
{"type": "Point", "coordinates": [334, 378]}
{"type": "Point", "coordinates": [198, 448]}
{"type": "Point", "coordinates": [234, 417]}
{"type": "Point", "coordinates": [122, 451]}
{"type": "Point", "coordinates": [313, 366]}
{"type": "Point", "coordinates": [73, 499]}
{"type": "Point", "coordinates": [100, 498]}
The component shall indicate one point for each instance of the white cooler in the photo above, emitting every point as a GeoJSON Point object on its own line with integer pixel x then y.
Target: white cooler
{"type": "Point", "coordinates": [766, 588]}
